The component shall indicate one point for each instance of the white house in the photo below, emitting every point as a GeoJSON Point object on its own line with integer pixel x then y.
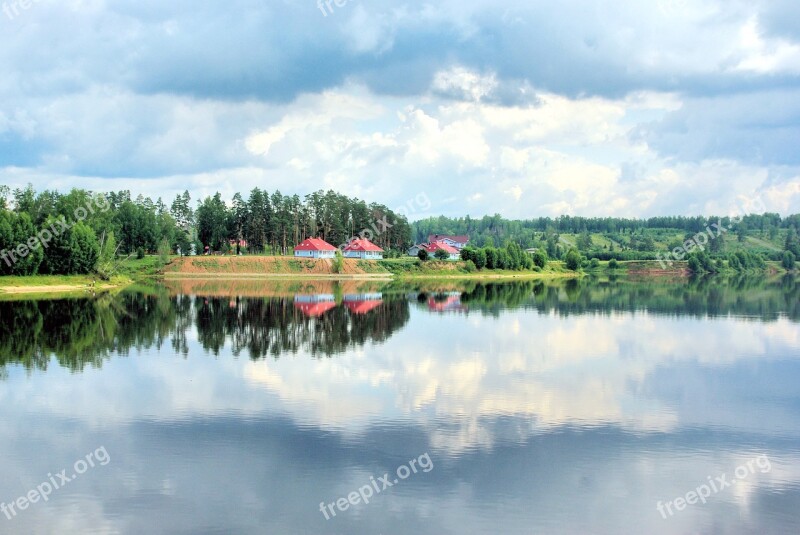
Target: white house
{"type": "Point", "coordinates": [364, 249]}
{"type": "Point", "coordinates": [314, 248]}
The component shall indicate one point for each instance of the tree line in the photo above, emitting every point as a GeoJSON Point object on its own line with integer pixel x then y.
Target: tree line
{"type": "Point", "coordinates": [492, 231]}
{"type": "Point", "coordinates": [262, 223]}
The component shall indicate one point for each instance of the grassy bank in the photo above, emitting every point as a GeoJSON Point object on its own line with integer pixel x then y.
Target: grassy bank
{"type": "Point", "coordinates": [412, 268]}
{"type": "Point", "coordinates": [128, 272]}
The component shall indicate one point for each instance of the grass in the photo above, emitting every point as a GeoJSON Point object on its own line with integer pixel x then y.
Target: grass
{"type": "Point", "coordinates": [410, 267]}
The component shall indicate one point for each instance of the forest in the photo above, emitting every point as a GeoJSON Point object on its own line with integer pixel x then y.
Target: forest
{"type": "Point", "coordinates": [105, 225]}
{"type": "Point", "coordinates": [85, 232]}
{"type": "Point", "coordinates": [767, 235]}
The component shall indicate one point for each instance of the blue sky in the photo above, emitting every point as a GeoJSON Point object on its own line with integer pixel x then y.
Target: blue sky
{"type": "Point", "coordinates": [620, 108]}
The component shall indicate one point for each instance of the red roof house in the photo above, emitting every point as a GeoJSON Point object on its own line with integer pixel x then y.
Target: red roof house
{"type": "Point", "coordinates": [314, 248]}
{"type": "Point", "coordinates": [361, 248]}
{"type": "Point", "coordinates": [453, 253]}
{"type": "Point", "coordinates": [459, 242]}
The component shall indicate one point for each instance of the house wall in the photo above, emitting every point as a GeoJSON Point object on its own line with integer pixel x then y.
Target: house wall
{"type": "Point", "coordinates": [364, 255]}
{"type": "Point", "coordinates": [315, 254]}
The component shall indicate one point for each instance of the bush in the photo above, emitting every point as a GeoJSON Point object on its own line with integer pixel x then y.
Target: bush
{"type": "Point", "coordinates": [613, 264]}
{"type": "Point", "coordinates": [540, 259]}
{"type": "Point", "coordinates": [788, 261]}
{"type": "Point", "coordinates": [469, 266]}
{"type": "Point", "coordinates": [338, 262]}
{"type": "Point", "coordinates": [423, 255]}
{"type": "Point", "coordinates": [140, 252]}
{"type": "Point", "coordinates": [164, 251]}
{"type": "Point", "coordinates": [573, 260]}
{"type": "Point", "coordinates": [441, 254]}
{"type": "Point", "coordinates": [594, 263]}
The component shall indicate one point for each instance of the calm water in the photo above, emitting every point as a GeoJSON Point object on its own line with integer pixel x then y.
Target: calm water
{"type": "Point", "coordinates": [225, 407]}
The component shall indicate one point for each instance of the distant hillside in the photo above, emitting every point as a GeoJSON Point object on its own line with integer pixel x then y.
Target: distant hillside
{"type": "Point", "coordinates": [768, 235]}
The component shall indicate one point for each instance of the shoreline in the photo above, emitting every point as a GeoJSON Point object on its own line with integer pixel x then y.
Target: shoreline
{"type": "Point", "coordinates": [74, 285]}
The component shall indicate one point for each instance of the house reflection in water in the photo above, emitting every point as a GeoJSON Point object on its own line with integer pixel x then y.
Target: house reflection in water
{"type": "Point", "coordinates": [363, 303]}
{"type": "Point", "coordinates": [446, 302]}
{"type": "Point", "coordinates": [314, 305]}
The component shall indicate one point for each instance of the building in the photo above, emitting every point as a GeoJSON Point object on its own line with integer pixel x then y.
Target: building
{"type": "Point", "coordinates": [364, 249]}
{"type": "Point", "coordinates": [453, 253]}
{"type": "Point", "coordinates": [459, 242]}
{"type": "Point", "coordinates": [314, 248]}
{"type": "Point", "coordinates": [414, 251]}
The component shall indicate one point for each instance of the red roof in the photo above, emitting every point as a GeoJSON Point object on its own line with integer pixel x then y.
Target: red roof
{"type": "Point", "coordinates": [433, 247]}
{"type": "Point", "coordinates": [314, 244]}
{"type": "Point", "coordinates": [458, 239]}
{"type": "Point", "coordinates": [363, 245]}
{"type": "Point", "coordinates": [362, 307]}
{"type": "Point", "coordinates": [315, 309]}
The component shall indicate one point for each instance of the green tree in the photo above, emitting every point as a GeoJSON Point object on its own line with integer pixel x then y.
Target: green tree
{"type": "Point", "coordinates": [480, 258]}
{"type": "Point", "coordinates": [788, 261]}
{"type": "Point", "coordinates": [212, 222]}
{"type": "Point", "coordinates": [73, 251]}
{"type": "Point", "coordinates": [338, 262]}
{"type": "Point", "coordinates": [164, 252]}
{"type": "Point", "coordinates": [540, 259]}
{"type": "Point", "coordinates": [573, 260]}
{"type": "Point", "coordinates": [584, 241]}
{"type": "Point", "coordinates": [86, 249]}
{"type": "Point", "coordinates": [423, 255]}
{"type": "Point", "coordinates": [694, 265]}
{"type": "Point", "coordinates": [793, 242]}
{"type": "Point", "coordinates": [441, 254]}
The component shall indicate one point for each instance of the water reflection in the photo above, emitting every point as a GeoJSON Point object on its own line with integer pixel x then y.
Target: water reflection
{"type": "Point", "coordinates": [78, 332]}
{"type": "Point", "coordinates": [546, 407]}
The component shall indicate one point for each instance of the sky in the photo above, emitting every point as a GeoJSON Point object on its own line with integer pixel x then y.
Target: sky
{"type": "Point", "coordinates": [526, 109]}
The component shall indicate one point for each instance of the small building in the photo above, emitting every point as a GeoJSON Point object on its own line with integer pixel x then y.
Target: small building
{"type": "Point", "coordinates": [364, 249]}
{"type": "Point", "coordinates": [414, 251]}
{"type": "Point", "coordinates": [314, 248]}
{"type": "Point", "coordinates": [453, 253]}
{"type": "Point", "coordinates": [458, 242]}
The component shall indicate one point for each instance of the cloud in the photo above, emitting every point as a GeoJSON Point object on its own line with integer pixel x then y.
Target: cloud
{"type": "Point", "coordinates": [571, 106]}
